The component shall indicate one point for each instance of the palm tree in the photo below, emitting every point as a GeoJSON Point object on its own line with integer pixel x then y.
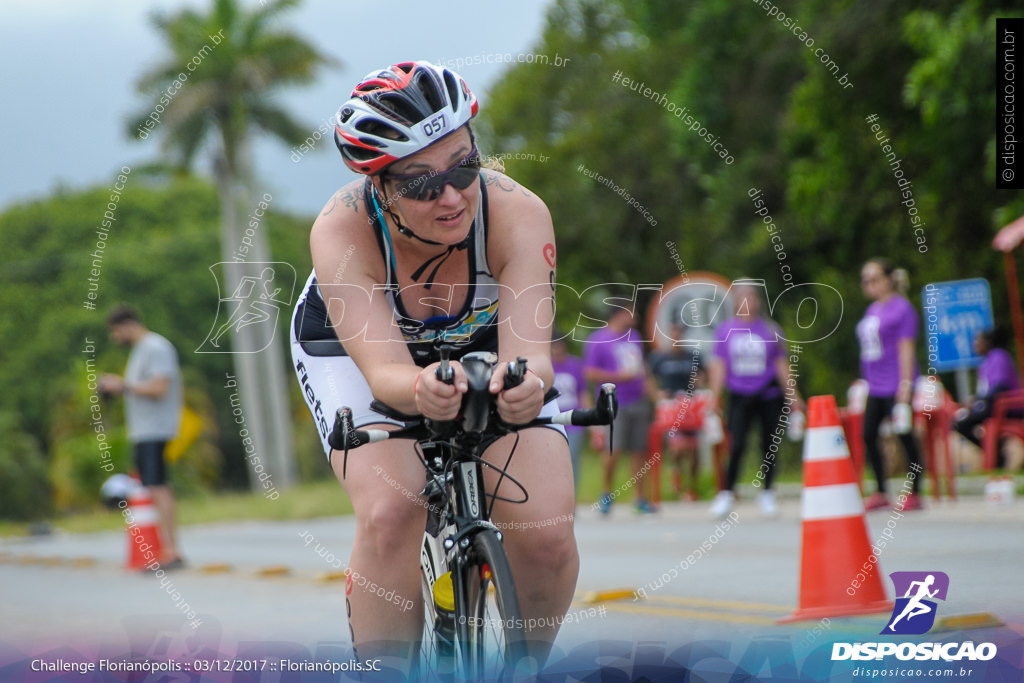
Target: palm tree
{"type": "Point", "coordinates": [213, 92]}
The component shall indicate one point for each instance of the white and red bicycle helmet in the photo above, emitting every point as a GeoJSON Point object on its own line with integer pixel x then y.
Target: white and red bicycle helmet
{"type": "Point", "coordinates": [397, 111]}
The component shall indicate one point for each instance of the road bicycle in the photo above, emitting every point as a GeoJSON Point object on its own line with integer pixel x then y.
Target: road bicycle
{"type": "Point", "coordinates": [473, 626]}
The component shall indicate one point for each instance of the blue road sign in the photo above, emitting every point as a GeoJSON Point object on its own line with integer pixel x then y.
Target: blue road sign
{"type": "Point", "coordinates": [954, 312]}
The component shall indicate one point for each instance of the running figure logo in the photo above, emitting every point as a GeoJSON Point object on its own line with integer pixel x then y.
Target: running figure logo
{"type": "Point", "coordinates": [259, 292]}
{"type": "Point", "coordinates": [914, 613]}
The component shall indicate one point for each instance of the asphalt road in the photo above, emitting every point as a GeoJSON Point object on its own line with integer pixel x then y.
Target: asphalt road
{"type": "Point", "coordinates": [735, 592]}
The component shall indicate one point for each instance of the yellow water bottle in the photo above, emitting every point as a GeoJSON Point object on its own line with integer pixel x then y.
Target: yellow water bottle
{"type": "Point", "coordinates": [444, 623]}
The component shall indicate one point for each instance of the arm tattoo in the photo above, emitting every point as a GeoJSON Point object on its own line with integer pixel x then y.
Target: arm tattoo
{"type": "Point", "coordinates": [347, 196]}
{"type": "Point", "coordinates": [351, 200]}
{"type": "Point", "coordinates": [502, 182]}
{"type": "Point", "coordinates": [549, 254]}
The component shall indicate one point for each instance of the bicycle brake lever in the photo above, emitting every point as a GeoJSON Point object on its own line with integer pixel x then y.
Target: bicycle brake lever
{"type": "Point", "coordinates": [516, 373]}
{"type": "Point", "coordinates": [607, 408]}
{"type": "Point", "coordinates": [607, 404]}
{"type": "Point", "coordinates": [445, 373]}
{"type": "Point", "coordinates": [339, 435]}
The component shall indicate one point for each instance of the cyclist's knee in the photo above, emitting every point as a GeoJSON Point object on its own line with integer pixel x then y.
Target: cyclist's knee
{"type": "Point", "coordinates": [391, 524]}
{"type": "Point", "coordinates": [549, 549]}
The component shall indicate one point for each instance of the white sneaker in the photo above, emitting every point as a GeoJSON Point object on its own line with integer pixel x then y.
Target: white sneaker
{"type": "Point", "coordinates": [769, 507]}
{"type": "Point", "coordinates": [722, 504]}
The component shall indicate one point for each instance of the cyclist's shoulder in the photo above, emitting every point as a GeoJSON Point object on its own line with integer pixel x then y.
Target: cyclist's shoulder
{"type": "Point", "coordinates": [345, 210]}
{"type": "Point", "coordinates": [506, 194]}
{"type": "Point", "coordinates": [518, 219]}
{"type": "Point", "coordinates": [341, 231]}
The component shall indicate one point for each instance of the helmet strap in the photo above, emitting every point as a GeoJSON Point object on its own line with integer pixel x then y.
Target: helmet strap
{"type": "Point", "coordinates": [407, 231]}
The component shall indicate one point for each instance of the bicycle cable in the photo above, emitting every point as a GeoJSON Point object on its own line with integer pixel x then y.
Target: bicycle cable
{"type": "Point", "coordinates": [503, 473]}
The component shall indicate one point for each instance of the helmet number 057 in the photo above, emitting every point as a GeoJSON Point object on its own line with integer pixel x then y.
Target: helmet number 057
{"type": "Point", "coordinates": [435, 125]}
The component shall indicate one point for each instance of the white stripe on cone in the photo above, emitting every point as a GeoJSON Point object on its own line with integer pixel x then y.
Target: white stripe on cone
{"type": "Point", "coordinates": [144, 514]}
{"type": "Point", "coordinates": [143, 510]}
{"type": "Point", "coordinates": [825, 443]}
{"type": "Point", "coordinates": [832, 502]}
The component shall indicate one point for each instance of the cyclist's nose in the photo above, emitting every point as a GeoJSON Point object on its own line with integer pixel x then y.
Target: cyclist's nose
{"type": "Point", "coordinates": [449, 196]}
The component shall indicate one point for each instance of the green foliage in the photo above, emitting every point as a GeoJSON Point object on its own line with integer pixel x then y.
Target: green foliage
{"type": "Point", "coordinates": [24, 489]}
{"type": "Point", "coordinates": [926, 69]}
{"type": "Point", "coordinates": [245, 57]}
{"type": "Point", "coordinates": [157, 255]}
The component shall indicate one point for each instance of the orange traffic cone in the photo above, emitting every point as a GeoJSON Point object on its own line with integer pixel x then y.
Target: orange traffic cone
{"type": "Point", "coordinates": [839, 575]}
{"type": "Point", "coordinates": [144, 547]}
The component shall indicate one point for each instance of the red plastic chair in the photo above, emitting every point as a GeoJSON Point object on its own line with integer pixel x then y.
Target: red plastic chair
{"type": "Point", "coordinates": [937, 428]}
{"type": "Point", "coordinates": [1002, 424]}
{"type": "Point", "coordinates": [667, 414]}
{"type": "Point", "coordinates": [655, 438]}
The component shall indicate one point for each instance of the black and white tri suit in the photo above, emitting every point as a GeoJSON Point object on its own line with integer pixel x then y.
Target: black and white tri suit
{"type": "Point", "coordinates": [327, 374]}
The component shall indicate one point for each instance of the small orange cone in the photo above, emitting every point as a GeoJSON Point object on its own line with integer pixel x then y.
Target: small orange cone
{"type": "Point", "coordinates": [144, 547]}
{"type": "Point", "coordinates": [839, 575]}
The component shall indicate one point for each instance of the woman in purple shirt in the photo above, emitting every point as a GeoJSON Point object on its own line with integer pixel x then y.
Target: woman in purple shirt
{"type": "Point", "coordinates": [750, 361]}
{"type": "Point", "coordinates": [996, 374]}
{"type": "Point", "coordinates": [888, 363]}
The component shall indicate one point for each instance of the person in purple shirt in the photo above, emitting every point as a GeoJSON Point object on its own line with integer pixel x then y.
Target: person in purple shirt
{"type": "Point", "coordinates": [888, 362]}
{"type": "Point", "coordinates": [750, 362]}
{"type": "Point", "coordinates": [996, 374]}
{"type": "Point", "coordinates": [572, 389]}
{"type": "Point", "coordinates": [615, 354]}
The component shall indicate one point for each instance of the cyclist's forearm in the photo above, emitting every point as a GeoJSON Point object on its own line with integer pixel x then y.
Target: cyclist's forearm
{"type": "Point", "coordinates": [394, 384]}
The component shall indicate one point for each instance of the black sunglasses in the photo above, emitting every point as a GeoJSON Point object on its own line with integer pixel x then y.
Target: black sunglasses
{"type": "Point", "coordinates": [428, 187]}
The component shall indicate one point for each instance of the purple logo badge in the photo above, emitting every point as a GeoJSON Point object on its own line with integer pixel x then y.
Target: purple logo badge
{"type": "Point", "coordinates": [914, 613]}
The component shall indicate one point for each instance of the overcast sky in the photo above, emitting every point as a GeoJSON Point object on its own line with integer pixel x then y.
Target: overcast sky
{"type": "Point", "coordinates": [70, 66]}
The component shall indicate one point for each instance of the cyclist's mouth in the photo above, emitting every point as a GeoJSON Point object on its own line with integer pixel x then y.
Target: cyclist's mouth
{"type": "Point", "coordinates": [452, 219]}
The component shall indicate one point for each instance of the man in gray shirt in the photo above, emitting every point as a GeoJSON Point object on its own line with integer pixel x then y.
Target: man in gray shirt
{"type": "Point", "coordinates": [152, 404]}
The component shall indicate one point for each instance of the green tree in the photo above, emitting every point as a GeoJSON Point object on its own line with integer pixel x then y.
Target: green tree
{"type": "Point", "coordinates": [26, 490]}
{"type": "Point", "coordinates": [244, 59]}
{"type": "Point", "coordinates": [157, 255]}
{"type": "Point", "coordinates": [797, 133]}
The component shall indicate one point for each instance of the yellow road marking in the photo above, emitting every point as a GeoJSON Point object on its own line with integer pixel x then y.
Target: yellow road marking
{"type": "Point", "coordinates": [691, 614]}
{"type": "Point", "coordinates": [275, 570]}
{"type": "Point", "coordinates": [723, 604]}
{"type": "Point", "coordinates": [968, 621]}
{"type": "Point", "coordinates": [614, 594]}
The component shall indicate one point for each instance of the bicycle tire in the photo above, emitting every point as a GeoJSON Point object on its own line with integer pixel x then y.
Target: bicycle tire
{"type": "Point", "coordinates": [440, 660]}
{"type": "Point", "coordinates": [489, 624]}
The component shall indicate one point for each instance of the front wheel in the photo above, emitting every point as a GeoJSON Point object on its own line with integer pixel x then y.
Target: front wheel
{"type": "Point", "coordinates": [489, 625]}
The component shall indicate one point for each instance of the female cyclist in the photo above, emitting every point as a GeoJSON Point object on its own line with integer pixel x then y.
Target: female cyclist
{"type": "Point", "coordinates": [428, 245]}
